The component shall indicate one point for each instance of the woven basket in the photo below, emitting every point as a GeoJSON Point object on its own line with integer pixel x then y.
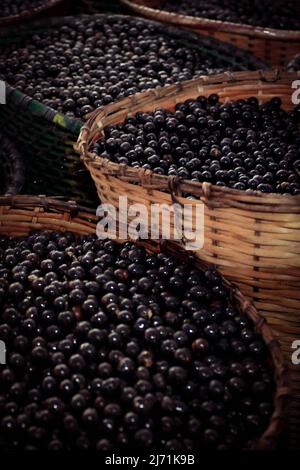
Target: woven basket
{"type": "Point", "coordinates": [11, 168]}
{"type": "Point", "coordinates": [49, 7]}
{"type": "Point", "coordinates": [253, 238]}
{"type": "Point", "coordinates": [274, 46]}
{"type": "Point", "coordinates": [47, 137]}
{"type": "Point", "coordinates": [21, 214]}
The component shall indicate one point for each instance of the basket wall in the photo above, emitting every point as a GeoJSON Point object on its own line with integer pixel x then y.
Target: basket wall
{"type": "Point", "coordinates": [254, 239]}
{"type": "Point", "coordinates": [20, 214]}
{"type": "Point", "coordinates": [275, 47]}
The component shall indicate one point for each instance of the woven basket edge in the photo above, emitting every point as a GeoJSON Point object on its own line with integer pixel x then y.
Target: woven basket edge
{"type": "Point", "coordinates": [214, 25]}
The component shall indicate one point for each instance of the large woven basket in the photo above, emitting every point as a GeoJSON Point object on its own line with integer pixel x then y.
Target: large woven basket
{"type": "Point", "coordinates": [47, 137]}
{"type": "Point", "coordinates": [11, 168]}
{"type": "Point", "coordinates": [21, 214]}
{"type": "Point", "coordinates": [49, 7]}
{"type": "Point", "coordinates": [253, 238]}
{"type": "Point", "coordinates": [276, 47]}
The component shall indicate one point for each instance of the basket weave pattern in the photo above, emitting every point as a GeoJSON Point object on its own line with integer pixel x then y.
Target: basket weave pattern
{"type": "Point", "coordinates": [276, 47]}
{"type": "Point", "coordinates": [21, 214]}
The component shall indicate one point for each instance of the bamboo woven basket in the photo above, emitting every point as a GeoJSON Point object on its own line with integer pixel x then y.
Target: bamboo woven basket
{"type": "Point", "coordinates": [274, 46]}
{"type": "Point", "coordinates": [21, 214]}
{"type": "Point", "coordinates": [253, 238]}
{"type": "Point", "coordinates": [11, 168]}
{"type": "Point", "coordinates": [49, 7]}
{"type": "Point", "coordinates": [47, 137]}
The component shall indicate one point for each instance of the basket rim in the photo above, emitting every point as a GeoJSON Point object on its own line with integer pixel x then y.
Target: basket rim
{"type": "Point", "coordinates": [213, 25]}
{"type": "Point", "coordinates": [27, 15]}
{"type": "Point", "coordinates": [93, 129]}
{"type": "Point", "coordinates": [73, 124]}
{"type": "Point", "coordinates": [54, 203]}
{"type": "Point", "coordinates": [281, 375]}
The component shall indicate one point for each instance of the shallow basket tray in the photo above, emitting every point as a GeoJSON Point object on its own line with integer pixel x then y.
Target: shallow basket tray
{"type": "Point", "coordinates": [47, 137]}
{"type": "Point", "coordinates": [252, 238]}
{"type": "Point", "coordinates": [275, 46]}
{"type": "Point", "coordinates": [49, 7]}
{"type": "Point", "coordinates": [11, 168]}
{"type": "Point", "coordinates": [21, 214]}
